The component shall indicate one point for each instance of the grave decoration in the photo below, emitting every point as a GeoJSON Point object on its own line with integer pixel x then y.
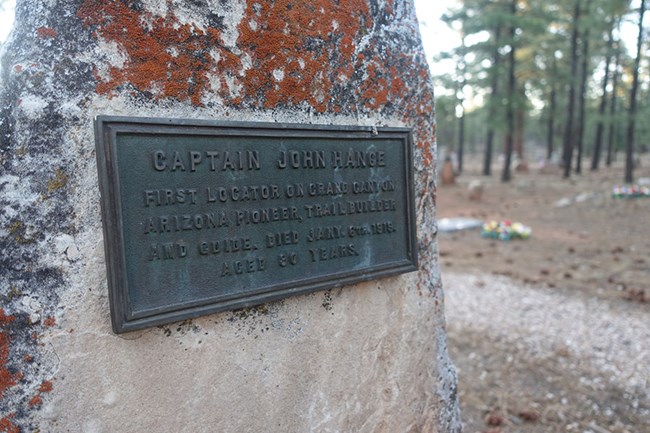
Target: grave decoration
{"type": "Point", "coordinates": [505, 230]}
{"type": "Point", "coordinates": [631, 191]}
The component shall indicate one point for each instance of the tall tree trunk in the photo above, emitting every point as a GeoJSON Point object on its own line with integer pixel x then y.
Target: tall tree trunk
{"type": "Point", "coordinates": [461, 138]}
{"type": "Point", "coordinates": [496, 60]}
{"type": "Point", "coordinates": [612, 107]}
{"type": "Point", "coordinates": [629, 145]}
{"type": "Point", "coordinates": [583, 89]}
{"type": "Point", "coordinates": [487, 160]}
{"type": "Point", "coordinates": [595, 159]}
{"type": "Point", "coordinates": [568, 132]}
{"type": "Point", "coordinates": [512, 86]}
{"type": "Point", "coordinates": [520, 117]}
{"type": "Point", "coordinates": [461, 101]}
{"type": "Point", "coordinates": [551, 113]}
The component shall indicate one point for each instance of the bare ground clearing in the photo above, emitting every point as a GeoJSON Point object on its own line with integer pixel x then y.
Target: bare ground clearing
{"type": "Point", "coordinates": [550, 334]}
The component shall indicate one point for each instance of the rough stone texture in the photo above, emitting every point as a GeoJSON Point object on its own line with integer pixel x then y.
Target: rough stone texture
{"type": "Point", "coordinates": [367, 358]}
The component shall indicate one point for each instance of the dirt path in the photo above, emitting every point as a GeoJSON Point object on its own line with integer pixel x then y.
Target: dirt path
{"type": "Point", "coordinates": [551, 334]}
{"type": "Point", "coordinates": [565, 362]}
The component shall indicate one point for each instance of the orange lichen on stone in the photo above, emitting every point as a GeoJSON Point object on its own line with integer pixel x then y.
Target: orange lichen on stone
{"type": "Point", "coordinates": [7, 379]}
{"type": "Point", "coordinates": [7, 425]}
{"type": "Point", "coordinates": [35, 401]}
{"type": "Point", "coordinates": [46, 386]}
{"type": "Point", "coordinates": [375, 88]}
{"type": "Point", "coordinates": [389, 7]}
{"type": "Point", "coordinates": [46, 32]}
{"type": "Point", "coordinates": [50, 321]}
{"type": "Point", "coordinates": [288, 53]}
{"type": "Point", "coordinates": [295, 45]}
{"type": "Point", "coordinates": [164, 58]}
{"type": "Point", "coordinates": [397, 86]}
{"type": "Point", "coordinates": [427, 156]}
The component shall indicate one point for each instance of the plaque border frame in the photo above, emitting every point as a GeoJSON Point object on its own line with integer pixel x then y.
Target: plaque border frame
{"type": "Point", "coordinates": [106, 130]}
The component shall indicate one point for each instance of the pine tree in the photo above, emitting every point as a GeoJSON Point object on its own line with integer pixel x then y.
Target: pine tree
{"type": "Point", "coordinates": [584, 69]}
{"type": "Point", "coordinates": [629, 145]}
{"type": "Point", "coordinates": [496, 62]}
{"type": "Point", "coordinates": [512, 86]}
{"type": "Point", "coordinates": [569, 131]}
{"type": "Point", "coordinates": [595, 159]}
{"type": "Point", "coordinates": [550, 135]}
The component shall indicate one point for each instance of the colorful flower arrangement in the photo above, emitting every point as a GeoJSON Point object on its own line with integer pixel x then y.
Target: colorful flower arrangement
{"type": "Point", "coordinates": [505, 230]}
{"type": "Point", "coordinates": [633, 191]}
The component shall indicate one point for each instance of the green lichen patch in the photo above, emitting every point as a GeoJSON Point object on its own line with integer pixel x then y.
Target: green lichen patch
{"type": "Point", "coordinates": [13, 293]}
{"type": "Point", "coordinates": [18, 230]}
{"type": "Point", "coordinates": [59, 181]}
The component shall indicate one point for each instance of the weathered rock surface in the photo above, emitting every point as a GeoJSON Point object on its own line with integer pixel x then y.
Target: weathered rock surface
{"type": "Point", "coordinates": [367, 358]}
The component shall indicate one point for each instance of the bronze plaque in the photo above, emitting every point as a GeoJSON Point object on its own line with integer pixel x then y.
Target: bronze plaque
{"type": "Point", "coordinates": [203, 216]}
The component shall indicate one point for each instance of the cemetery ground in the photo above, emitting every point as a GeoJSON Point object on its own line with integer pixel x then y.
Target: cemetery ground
{"type": "Point", "coordinates": [552, 333]}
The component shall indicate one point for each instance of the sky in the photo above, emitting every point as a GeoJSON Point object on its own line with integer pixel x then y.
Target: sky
{"type": "Point", "coordinates": [436, 35]}
{"type": "Point", "coordinates": [6, 19]}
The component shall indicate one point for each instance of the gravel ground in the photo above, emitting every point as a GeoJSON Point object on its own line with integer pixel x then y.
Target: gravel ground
{"type": "Point", "coordinates": [533, 358]}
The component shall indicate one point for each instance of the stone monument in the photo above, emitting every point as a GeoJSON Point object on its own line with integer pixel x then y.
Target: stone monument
{"type": "Point", "coordinates": [362, 354]}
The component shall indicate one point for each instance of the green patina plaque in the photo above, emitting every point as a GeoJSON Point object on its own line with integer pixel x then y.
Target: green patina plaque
{"type": "Point", "coordinates": [203, 216]}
